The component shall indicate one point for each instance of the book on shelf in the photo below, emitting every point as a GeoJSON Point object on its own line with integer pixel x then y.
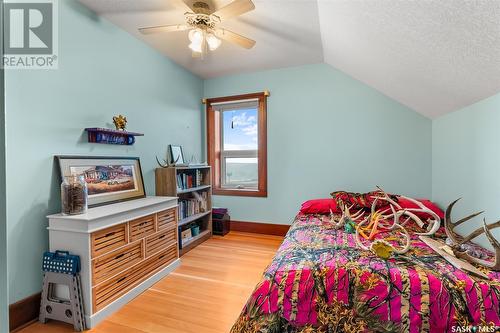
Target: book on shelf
{"type": "Point", "coordinates": [189, 179]}
{"type": "Point", "coordinates": [193, 206]}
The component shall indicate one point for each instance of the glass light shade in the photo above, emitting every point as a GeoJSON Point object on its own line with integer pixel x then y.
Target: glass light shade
{"type": "Point", "coordinates": [196, 36]}
{"type": "Point", "coordinates": [196, 47]}
{"type": "Point", "coordinates": [213, 42]}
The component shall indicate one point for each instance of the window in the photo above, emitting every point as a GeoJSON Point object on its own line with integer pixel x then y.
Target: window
{"type": "Point", "coordinates": [237, 144]}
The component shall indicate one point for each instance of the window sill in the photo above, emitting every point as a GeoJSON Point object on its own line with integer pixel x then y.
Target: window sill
{"type": "Point", "coordinates": [240, 193]}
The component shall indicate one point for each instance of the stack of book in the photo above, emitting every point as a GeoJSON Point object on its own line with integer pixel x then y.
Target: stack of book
{"type": "Point", "coordinates": [189, 179]}
{"type": "Point", "coordinates": [193, 206]}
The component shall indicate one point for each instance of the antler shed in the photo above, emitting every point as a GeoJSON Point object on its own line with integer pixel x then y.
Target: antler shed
{"type": "Point", "coordinates": [457, 241]}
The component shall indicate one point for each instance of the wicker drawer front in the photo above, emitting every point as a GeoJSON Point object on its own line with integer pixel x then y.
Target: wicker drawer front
{"type": "Point", "coordinates": [107, 240]}
{"type": "Point", "coordinates": [142, 227]}
{"type": "Point", "coordinates": [160, 241]}
{"type": "Point", "coordinates": [166, 219]}
{"type": "Point", "coordinates": [112, 289]}
{"type": "Point", "coordinates": [115, 262]}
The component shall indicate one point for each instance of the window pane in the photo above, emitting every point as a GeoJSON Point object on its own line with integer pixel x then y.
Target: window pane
{"type": "Point", "coordinates": [240, 129]}
{"type": "Point", "coordinates": [241, 172]}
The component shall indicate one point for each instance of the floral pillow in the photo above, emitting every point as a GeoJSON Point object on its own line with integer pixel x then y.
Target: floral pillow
{"type": "Point", "coordinates": [359, 200]}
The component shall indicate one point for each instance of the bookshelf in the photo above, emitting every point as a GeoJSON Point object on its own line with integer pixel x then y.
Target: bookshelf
{"type": "Point", "coordinates": [193, 187]}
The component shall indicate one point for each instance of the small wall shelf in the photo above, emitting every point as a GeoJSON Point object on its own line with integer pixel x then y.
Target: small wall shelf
{"type": "Point", "coordinates": [110, 136]}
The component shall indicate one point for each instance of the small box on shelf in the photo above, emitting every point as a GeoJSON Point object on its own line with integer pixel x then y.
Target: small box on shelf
{"type": "Point", "coordinates": [186, 234]}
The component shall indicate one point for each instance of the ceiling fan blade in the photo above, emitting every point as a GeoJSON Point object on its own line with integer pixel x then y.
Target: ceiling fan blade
{"type": "Point", "coordinates": [235, 8]}
{"type": "Point", "coordinates": [163, 28]}
{"type": "Point", "coordinates": [233, 37]}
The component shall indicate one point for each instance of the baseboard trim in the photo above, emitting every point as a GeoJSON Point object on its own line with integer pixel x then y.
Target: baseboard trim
{"type": "Point", "coordinates": [24, 312]}
{"type": "Point", "coordinates": [260, 228]}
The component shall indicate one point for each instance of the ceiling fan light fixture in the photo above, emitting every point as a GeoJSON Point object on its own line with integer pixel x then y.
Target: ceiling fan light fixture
{"type": "Point", "coordinates": [196, 36]}
{"type": "Point", "coordinates": [201, 20]}
{"type": "Point", "coordinates": [213, 42]}
{"type": "Point", "coordinates": [196, 47]}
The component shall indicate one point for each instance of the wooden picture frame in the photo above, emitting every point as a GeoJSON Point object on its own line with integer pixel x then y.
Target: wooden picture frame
{"type": "Point", "coordinates": [109, 179]}
{"type": "Point", "coordinates": [176, 155]}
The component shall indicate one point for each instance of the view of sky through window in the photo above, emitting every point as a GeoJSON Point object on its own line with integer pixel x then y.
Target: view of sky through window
{"type": "Point", "coordinates": [240, 133]}
{"type": "Point", "coordinates": [240, 129]}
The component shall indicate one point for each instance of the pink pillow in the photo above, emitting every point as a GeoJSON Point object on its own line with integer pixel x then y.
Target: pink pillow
{"type": "Point", "coordinates": [319, 206]}
{"type": "Point", "coordinates": [405, 203]}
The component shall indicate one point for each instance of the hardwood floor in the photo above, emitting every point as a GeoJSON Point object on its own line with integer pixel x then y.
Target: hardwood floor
{"type": "Point", "coordinates": [204, 295]}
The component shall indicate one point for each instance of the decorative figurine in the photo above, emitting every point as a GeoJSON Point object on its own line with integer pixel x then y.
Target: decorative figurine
{"type": "Point", "coordinates": [120, 122]}
{"type": "Point", "coordinates": [350, 227]}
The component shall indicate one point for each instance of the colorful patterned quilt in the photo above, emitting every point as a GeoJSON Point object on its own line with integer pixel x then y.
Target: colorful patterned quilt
{"type": "Point", "coordinates": [320, 281]}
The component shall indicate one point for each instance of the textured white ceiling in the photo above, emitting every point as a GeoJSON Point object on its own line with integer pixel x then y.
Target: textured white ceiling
{"type": "Point", "coordinates": [435, 56]}
{"type": "Point", "coordinates": [281, 42]}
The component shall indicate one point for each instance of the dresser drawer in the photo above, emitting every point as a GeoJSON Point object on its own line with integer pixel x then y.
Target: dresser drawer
{"type": "Point", "coordinates": [107, 240]}
{"type": "Point", "coordinates": [142, 227]}
{"type": "Point", "coordinates": [112, 289]}
{"type": "Point", "coordinates": [167, 219]}
{"type": "Point", "coordinates": [160, 241]}
{"type": "Point", "coordinates": [117, 261]}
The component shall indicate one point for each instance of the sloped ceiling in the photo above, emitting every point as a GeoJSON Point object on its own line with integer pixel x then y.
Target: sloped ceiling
{"type": "Point", "coordinates": [281, 42]}
{"type": "Point", "coordinates": [435, 56]}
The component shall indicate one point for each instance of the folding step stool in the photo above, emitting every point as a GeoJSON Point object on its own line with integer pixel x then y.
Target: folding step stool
{"type": "Point", "coordinates": [58, 272]}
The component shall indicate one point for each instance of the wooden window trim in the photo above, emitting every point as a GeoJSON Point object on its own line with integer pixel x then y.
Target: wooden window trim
{"type": "Point", "coordinates": [214, 149]}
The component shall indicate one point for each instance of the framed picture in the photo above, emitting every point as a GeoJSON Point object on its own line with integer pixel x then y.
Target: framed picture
{"type": "Point", "coordinates": [109, 179]}
{"type": "Point", "coordinates": [176, 155]}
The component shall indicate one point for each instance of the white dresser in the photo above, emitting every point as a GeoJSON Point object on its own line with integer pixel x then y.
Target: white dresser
{"type": "Point", "coordinates": [124, 249]}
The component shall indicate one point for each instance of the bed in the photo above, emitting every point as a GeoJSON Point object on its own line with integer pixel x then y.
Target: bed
{"type": "Point", "coordinates": [320, 281]}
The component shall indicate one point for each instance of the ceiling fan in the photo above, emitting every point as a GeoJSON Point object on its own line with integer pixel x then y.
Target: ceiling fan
{"type": "Point", "coordinates": [202, 22]}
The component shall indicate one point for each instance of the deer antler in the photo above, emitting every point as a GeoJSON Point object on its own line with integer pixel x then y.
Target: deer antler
{"type": "Point", "coordinates": [434, 221]}
{"type": "Point", "coordinates": [390, 222]}
{"type": "Point", "coordinates": [449, 225]}
{"type": "Point", "coordinates": [374, 218]}
{"type": "Point", "coordinates": [346, 215]}
{"type": "Point", "coordinates": [457, 241]}
{"type": "Point", "coordinates": [494, 242]}
{"type": "Point", "coordinates": [395, 225]}
{"type": "Point", "coordinates": [165, 163]}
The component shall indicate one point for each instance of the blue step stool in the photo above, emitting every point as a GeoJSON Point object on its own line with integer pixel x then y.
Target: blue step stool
{"type": "Point", "coordinates": [62, 268]}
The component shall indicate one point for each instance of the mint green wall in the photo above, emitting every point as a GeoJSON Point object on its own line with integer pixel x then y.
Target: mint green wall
{"type": "Point", "coordinates": [326, 132]}
{"type": "Point", "coordinates": [4, 324]}
{"type": "Point", "coordinates": [466, 160]}
{"type": "Point", "coordinates": [103, 71]}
